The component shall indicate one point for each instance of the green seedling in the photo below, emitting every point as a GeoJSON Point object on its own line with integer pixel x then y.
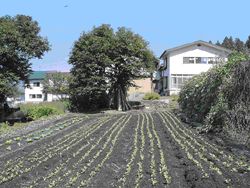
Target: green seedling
{"type": "Point", "coordinates": [36, 138]}
{"type": "Point", "coordinates": [29, 140]}
{"type": "Point", "coordinates": [8, 142]}
{"type": "Point", "coordinates": [18, 139]}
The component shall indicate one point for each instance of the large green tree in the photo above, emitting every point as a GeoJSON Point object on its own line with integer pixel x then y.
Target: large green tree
{"type": "Point", "coordinates": [19, 43]}
{"type": "Point", "coordinates": [132, 59]}
{"type": "Point", "coordinates": [104, 65]}
{"type": "Point", "coordinates": [90, 57]}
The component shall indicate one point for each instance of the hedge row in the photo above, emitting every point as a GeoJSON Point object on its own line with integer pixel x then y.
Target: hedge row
{"type": "Point", "coordinates": [219, 98]}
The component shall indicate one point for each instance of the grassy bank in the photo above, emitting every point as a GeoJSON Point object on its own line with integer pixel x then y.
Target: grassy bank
{"type": "Point", "coordinates": [36, 111]}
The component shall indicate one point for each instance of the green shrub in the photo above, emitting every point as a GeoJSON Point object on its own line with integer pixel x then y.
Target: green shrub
{"type": "Point", "coordinates": [38, 110]}
{"type": "Point", "coordinates": [151, 96]}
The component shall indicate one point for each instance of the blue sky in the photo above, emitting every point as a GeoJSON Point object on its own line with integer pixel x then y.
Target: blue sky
{"type": "Point", "coordinates": [163, 23]}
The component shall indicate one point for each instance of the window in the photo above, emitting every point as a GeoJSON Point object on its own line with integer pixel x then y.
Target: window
{"type": "Point", "coordinates": [178, 80]}
{"type": "Point", "coordinates": [198, 60]}
{"type": "Point", "coordinates": [174, 79]}
{"type": "Point", "coordinates": [185, 60]}
{"type": "Point", "coordinates": [203, 60]}
{"type": "Point", "coordinates": [211, 60]}
{"type": "Point", "coordinates": [32, 96]}
{"type": "Point", "coordinates": [35, 96]}
{"type": "Point", "coordinates": [39, 96]}
{"type": "Point", "coordinates": [188, 60]}
{"type": "Point", "coordinates": [36, 84]}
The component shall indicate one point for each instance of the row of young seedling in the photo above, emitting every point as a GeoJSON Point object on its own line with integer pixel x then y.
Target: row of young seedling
{"type": "Point", "coordinates": [71, 176]}
{"type": "Point", "coordinates": [86, 161]}
{"type": "Point", "coordinates": [39, 151]}
{"type": "Point", "coordinates": [81, 136]}
{"type": "Point", "coordinates": [163, 165]}
{"type": "Point", "coordinates": [136, 161]}
{"type": "Point", "coordinates": [153, 167]}
{"type": "Point", "coordinates": [232, 162]}
{"type": "Point", "coordinates": [99, 166]}
{"type": "Point", "coordinates": [42, 133]}
{"type": "Point", "coordinates": [123, 180]}
{"type": "Point", "coordinates": [140, 171]}
{"type": "Point", "coordinates": [40, 155]}
{"type": "Point", "coordinates": [229, 161]}
{"type": "Point", "coordinates": [198, 157]}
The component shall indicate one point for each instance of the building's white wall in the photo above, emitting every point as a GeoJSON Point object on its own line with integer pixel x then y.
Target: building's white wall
{"type": "Point", "coordinates": [34, 90]}
{"type": "Point", "coordinates": [39, 90]}
{"type": "Point", "coordinates": [49, 97]}
{"type": "Point", "coordinates": [176, 60]}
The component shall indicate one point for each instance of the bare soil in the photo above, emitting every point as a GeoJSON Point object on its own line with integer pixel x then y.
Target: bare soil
{"type": "Point", "coordinates": [147, 148]}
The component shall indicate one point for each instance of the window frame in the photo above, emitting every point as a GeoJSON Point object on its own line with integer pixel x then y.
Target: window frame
{"type": "Point", "coordinates": [175, 79]}
{"type": "Point", "coordinates": [203, 60]}
{"type": "Point", "coordinates": [35, 96]}
{"type": "Point", "coordinates": [40, 96]}
{"type": "Point", "coordinates": [36, 84]}
{"type": "Point", "coordinates": [32, 96]}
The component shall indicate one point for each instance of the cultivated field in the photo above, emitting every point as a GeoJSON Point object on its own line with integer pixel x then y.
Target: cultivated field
{"type": "Point", "coordinates": [147, 149]}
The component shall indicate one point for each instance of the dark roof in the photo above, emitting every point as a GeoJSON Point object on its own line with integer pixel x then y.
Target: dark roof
{"type": "Point", "coordinates": [196, 43]}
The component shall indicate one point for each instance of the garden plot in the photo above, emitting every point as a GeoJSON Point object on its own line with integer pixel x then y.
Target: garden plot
{"type": "Point", "coordinates": [125, 150]}
{"type": "Point", "coordinates": [19, 141]}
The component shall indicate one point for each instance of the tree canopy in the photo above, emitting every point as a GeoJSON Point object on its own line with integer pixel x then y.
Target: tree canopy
{"type": "Point", "coordinates": [105, 63]}
{"type": "Point", "coordinates": [19, 43]}
{"type": "Point", "coordinates": [235, 44]}
{"type": "Point", "coordinates": [57, 83]}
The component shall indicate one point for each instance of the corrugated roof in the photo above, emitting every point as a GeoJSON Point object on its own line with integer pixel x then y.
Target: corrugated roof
{"type": "Point", "coordinates": [38, 75]}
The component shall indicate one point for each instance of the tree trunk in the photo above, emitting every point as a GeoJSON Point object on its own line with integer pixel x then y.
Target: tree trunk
{"type": "Point", "coordinates": [119, 98]}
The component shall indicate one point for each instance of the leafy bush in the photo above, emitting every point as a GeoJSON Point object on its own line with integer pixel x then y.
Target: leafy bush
{"type": "Point", "coordinates": [199, 94]}
{"type": "Point", "coordinates": [220, 97]}
{"type": "Point", "coordinates": [36, 111]}
{"type": "Point", "coordinates": [151, 96]}
{"type": "Point", "coordinates": [40, 111]}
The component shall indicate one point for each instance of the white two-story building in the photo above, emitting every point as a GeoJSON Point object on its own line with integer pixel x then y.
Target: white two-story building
{"type": "Point", "coordinates": [181, 63]}
{"type": "Point", "coordinates": [34, 93]}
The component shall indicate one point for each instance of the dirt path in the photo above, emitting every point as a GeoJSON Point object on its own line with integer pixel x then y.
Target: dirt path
{"type": "Point", "coordinates": [143, 149]}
